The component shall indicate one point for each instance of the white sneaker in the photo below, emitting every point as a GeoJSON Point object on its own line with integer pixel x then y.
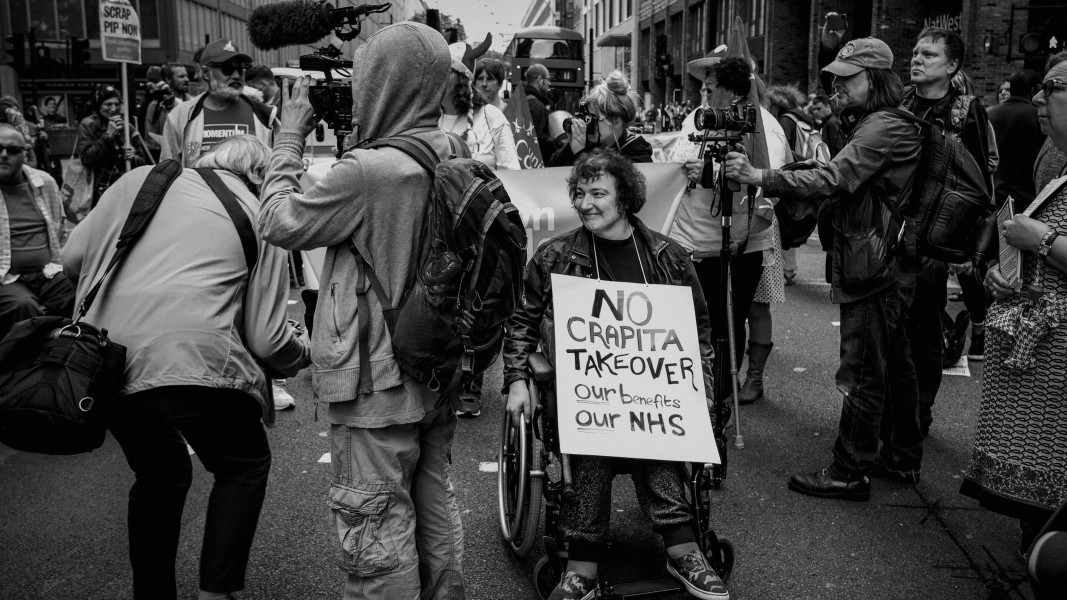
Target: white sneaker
{"type": "Point", "coordinates": [283, 400]}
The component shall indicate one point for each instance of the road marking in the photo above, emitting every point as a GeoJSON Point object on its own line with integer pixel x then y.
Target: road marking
{"type": "Point", "coordinates": [323, 434]}
{"type": "Point", "coordinates": [292, 302]}
{"type": "Point", "coordinates": [835, 323]}
{"type": "Point", "coordinates": [800, 369]}
{"type": "Point", "coordinates": [325, 458]}
{"type": "Point", "coordinates": [487, 467]}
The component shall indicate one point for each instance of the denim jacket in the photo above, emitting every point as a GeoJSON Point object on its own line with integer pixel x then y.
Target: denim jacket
{"type": "Point", "coordinates": [571, 254]}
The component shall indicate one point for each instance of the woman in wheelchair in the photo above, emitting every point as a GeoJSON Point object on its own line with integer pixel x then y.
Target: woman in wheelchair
{"type": "Point", "coordinates": [607, 191]}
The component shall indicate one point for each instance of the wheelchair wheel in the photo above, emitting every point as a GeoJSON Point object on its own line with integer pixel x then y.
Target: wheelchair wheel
{"type": "Point", "coordinates": [520, 482]}
{"type": "Point", "coordinates": [720, 553]}
{"type": "Point", "coordinates": [545, 577]}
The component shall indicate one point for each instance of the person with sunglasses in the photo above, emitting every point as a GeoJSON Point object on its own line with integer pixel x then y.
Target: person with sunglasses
{"type": "Point", "coordinates": [32, 235]}
{"type": "Point", "coordinates": [195, 126]}
{"type": "Point", "coordinates": [1018, 465]}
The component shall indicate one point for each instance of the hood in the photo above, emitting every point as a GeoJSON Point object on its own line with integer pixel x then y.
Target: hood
{"type": "Point", "coordinates": [398, 80]}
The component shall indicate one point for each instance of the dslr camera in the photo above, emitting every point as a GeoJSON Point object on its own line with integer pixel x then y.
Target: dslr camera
{"type": "Point", "coordinates": [738, 117]}
{"type": "Point", "coordinates": [592, 122]}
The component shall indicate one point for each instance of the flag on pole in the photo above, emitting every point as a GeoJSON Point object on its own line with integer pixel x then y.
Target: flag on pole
{"type": "Point", "coordinates": [522, 128]}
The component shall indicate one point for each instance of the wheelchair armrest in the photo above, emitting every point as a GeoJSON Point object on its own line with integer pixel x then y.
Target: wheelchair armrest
{"type": "Point", "coordinates": [540, 367]}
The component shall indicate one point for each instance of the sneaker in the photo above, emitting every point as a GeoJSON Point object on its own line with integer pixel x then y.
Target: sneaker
{"type": "Point", "coordinates": [697, 576]}
{"type": "Point", "coordinates": [574, 587]}
{"type": "Point", "coordinates": [469, 407]}
{"type": "Point", "coordinates": [976, 351]}
{"type": "Point", "coordinates": [283, 400]}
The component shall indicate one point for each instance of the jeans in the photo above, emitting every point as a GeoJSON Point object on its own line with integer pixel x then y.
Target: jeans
{"type": "Point", "coordinates": [394, 511]}
{"type": "Point", "coordinates": [745, 273]}
{"type": "Point", "coordinates": [223, 427]}
{"type": "Point", "coordinates": [34, 295]}
{"type": "Point", "coordinates": [924, 332]}
{"type": "Point", "coordinates": [877, 373]}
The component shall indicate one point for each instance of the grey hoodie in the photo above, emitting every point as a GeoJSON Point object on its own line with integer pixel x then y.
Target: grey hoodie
{"type": "Point", "coordinates": [373, 198]}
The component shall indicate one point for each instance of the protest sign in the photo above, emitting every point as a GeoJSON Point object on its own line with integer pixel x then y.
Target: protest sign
{"type": "Point", "coordinates": [522, 129]}
{"type": "Point", "coordinates": [120, 32]}
{"type": "Point", "coordinates": [629, 380]}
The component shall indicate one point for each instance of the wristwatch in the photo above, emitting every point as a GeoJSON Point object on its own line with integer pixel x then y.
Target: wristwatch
{"type": "Point", "coordinates": [1046, 243]}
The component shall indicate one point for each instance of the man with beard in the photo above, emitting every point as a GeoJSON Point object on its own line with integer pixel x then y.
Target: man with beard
{"type": "Point", "coordinates": [538, 87]}
{"type": "Point", "coordinates": [193, 127]}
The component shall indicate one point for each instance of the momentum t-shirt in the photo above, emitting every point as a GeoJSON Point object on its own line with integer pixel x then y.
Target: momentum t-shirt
{"type": "Point", "coordinates": [238, 119]}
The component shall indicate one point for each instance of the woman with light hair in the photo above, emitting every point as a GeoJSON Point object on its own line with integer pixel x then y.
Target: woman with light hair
{"type": "Point", "coordinates": [610, 107]}
{"type": "Point", "coordinates": [197, 321]}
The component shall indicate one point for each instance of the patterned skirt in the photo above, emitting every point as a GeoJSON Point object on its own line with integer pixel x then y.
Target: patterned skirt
{"type": "Point", "coordinates": [1018, 463]}
{"type": "Point", "coordinates": [771, 287]}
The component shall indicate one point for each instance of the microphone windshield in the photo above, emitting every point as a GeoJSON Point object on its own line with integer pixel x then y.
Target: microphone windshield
{"type": "Point", "coordinates": [289, 23]}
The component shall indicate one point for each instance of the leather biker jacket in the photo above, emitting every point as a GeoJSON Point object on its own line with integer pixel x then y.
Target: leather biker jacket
{"type": "Point", "coordinates": [571, 254]}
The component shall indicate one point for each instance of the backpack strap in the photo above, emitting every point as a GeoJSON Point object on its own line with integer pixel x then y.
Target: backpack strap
{"type": "Point", "coordinates": [237, 214]}
{"type": "Point", "coordinates": [144, 206]}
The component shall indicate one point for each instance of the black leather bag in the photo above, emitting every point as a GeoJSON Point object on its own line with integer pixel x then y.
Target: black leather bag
{"type": "Point", "coordinates": [58, 376]}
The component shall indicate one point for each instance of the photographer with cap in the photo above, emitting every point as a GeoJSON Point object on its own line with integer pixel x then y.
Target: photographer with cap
{"type": "Point", "coordinates": [395, 523]}
{"type": "Point", "coordinates": [101, 141]}
{"type": "Point", "coordinates": [194, 126]}
{"type": "Point", "coordinates": [873, 288]}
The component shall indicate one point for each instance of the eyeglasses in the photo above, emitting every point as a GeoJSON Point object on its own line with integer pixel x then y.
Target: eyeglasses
{"type": "Point", "coordinates": [13, 150]}
{"type": "Point", "coordinates": [1050, 86]}
{"type": "Point", "coordinates": [228, 69]}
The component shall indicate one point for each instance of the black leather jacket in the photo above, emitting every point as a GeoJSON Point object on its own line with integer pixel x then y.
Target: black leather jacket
{"type": "Point", "coordinates": [571, 254]}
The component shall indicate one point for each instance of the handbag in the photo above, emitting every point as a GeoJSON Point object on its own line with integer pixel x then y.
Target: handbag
{"type": "Point", "coordinates": [77, 191]}
{"type": "Point", "coordinates": [59, 376]}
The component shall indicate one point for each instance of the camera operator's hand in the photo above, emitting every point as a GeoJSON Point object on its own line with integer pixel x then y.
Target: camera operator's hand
{"type": "Point", "coordinates": [576, 136]}
{"type": "Point", "coordinates": [740, 170]}
{"type": "Point", "coordinates": [297, 115]}
{"type": "Point", "coordinates": [693, 169]}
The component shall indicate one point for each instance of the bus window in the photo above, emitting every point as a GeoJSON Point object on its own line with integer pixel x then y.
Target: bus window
{"type": "Point", "coordinates": [544, 49]}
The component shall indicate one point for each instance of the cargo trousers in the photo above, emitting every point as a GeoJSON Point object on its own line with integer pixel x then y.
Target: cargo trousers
{"type": "Point", "coordinates": [394, 517]}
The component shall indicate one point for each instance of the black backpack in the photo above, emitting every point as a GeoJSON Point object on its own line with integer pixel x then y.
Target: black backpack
{"type": "Point", "coordinates": [58, 376]}
{"type": "Point", "coordinates": [449, 324]}
{"type": "Point", "coordinates": [950, 194]}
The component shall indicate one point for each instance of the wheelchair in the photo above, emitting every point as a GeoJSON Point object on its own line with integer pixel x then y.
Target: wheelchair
{"type": "Point", "coordinates": [533, 475]}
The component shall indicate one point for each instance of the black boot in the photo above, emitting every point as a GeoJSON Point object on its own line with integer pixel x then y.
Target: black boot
{"type": "Point", "coordinates": [757, 358]}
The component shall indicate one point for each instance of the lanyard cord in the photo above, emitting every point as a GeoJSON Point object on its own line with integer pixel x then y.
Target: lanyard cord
{"type": "Point", "coordinates": [637, 251]}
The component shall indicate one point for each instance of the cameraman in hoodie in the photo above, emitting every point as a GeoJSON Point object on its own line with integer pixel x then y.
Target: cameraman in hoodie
{"type": "Point", "coordinates": [390, 436]}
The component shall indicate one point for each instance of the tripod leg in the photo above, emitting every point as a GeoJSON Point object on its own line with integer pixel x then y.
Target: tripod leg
{"type": "Point", "coordinates": [739, 440]}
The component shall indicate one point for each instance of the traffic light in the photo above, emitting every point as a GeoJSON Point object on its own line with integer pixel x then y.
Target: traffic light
{"type": "Point", "coordinates": [16, 51]}
{"type": "Point", "coordinates": [1038, 43]}
{"type": "Point", "coordinates": [79, 53]}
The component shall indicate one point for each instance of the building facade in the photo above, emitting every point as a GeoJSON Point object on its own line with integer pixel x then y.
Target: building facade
{"type": "Point", "coordinates": [652, 40]}
{"type": "Point", "coordinates": [171, 31]}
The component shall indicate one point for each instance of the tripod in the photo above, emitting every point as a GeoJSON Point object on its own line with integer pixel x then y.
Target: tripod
{"type": "Point", "coordinates": [720, 146]}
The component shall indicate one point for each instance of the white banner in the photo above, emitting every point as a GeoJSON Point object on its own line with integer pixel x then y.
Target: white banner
{"type": "Point", "coordinates": [629, 381]}
{"type": "Point", "coordinates": [120, 32]}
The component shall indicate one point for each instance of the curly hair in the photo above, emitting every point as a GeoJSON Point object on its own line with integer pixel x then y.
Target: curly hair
{"type": "Point", "coordinates": [781, 98]}
{"type": "Point", "coordinates": [733, 74]}
{"type": "Point", "coordinates": [629, 182]}
{"type": "Point", "coordinates": [614, 99]}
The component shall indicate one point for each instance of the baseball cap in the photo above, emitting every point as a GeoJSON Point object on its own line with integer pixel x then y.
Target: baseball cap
{"type": "Point", "coordinates": [221, 51]}
{"type": "Point", "coordinates": [857, 55]}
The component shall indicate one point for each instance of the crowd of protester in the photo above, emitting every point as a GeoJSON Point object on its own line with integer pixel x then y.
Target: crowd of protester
{"type": "Point", "coordinates": [226, 115]}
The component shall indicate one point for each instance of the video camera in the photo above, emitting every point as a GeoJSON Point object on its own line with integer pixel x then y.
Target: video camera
{"type": "Point", "coordinates": [738, 117]}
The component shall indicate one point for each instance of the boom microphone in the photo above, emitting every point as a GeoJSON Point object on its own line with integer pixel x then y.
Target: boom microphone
{"type": "Point", "coordinates": [297, 22]}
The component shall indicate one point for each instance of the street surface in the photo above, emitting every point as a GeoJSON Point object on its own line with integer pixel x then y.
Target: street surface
{"type": "Point", "coordinates": [63, 536]}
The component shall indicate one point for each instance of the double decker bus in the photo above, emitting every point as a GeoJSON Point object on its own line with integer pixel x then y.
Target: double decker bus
{"type": "Point", "coordinates": [560, 51]}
